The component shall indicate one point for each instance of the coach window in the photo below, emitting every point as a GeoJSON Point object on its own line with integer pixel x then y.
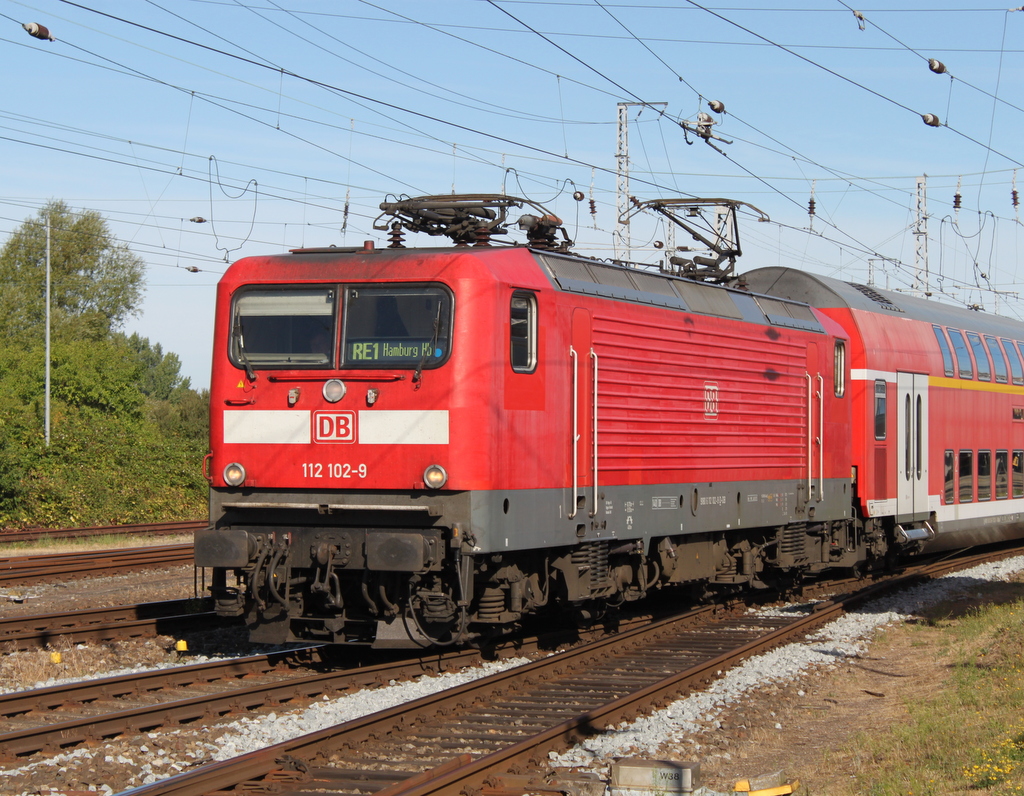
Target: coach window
{"type": "Point", "coordinates": [980, 357]}
{"type": "Point", "coordinates": [1002, 476]}
{"type": "Point", "coordinates": [949, 469]}
{"type": "Point", "coordinates": [839, 369]}
{"type": "Point", "coordinates": [963, 357]}
{"type": "Point", "coordinates": [523, 332]}
{"type": "Point", "coordinates": [1016, 371]}
{"type": "Point", "coordinates": [965, 467]}
{"type": "Point", "coordinates": [1017, 483]}
{"type": "Point", "coordinates": [879, 409]}
{"type": "Point", "coordinates": [984, 475]}
{"type": "Point", "coordinates": [998, 361]}
{"type": "Point", "coordinates": [947, 355]}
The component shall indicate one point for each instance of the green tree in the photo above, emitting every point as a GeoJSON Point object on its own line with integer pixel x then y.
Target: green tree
{"type": "Point", "coordinates": [92, 274]}
{"type": "Point", "coordinates": [161, 377]}
{"type": "Point", "coordinates": [128, 434]}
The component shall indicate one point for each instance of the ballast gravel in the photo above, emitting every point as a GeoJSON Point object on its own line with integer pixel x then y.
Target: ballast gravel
{"type": "Point", "coordinates": [845, 638]}
{"type": "Point", "coordinates": [129, 764]}
{"type": "Point", "coordinates": [144, 759]}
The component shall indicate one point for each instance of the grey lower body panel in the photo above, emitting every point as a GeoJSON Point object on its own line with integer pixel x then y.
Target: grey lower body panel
{"type": "Point", "coordinates": [973, 532]}
{"type": "Point", "coordinates": [540, 518]}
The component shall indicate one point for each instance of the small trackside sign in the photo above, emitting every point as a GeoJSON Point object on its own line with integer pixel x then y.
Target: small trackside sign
{"type": "Point", "coordinates": [334, 426]}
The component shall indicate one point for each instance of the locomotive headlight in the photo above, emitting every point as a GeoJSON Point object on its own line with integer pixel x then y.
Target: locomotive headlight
{"type": "Point", "coordinates": [435, 476]}
{"type": "Point", "coordinates": [234, 474]}
{"type": "Point", "coordinates": [334, 390]}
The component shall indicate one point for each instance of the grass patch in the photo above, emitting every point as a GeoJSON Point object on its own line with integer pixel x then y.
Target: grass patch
{"type": "Point", "coordinates": [969, 736]}
{"type": "Point", "coordinates": [47, 545]}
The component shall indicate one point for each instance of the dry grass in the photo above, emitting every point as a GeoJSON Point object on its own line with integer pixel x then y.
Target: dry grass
{"type": "Point", "coordinates": [48, 546]}
{"type": "Point", "coordinates": [933, 706]}
{"type": "Point", "coordinates": [22, 670]}
{"type": "Point", "coordinates": [966, 735]}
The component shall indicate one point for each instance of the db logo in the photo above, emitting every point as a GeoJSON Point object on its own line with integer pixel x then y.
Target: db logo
{"type": "Point", "coordinates": [710, 399]}
{"type": "Point", "coordinates": [334, 426]}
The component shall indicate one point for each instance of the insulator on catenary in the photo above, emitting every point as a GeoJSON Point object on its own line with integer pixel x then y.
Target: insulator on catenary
{"type": "Point", "coordinates": [593, 207]}
{"type": "Point", "coordinates": [810, 207]}
{"type": "Point", "coordinates": [956, 200]}
{"type": "Point", "coordinates": [579, 196]}
{"type": "Point", "coordinates": [936, 66]}
{"type": "Point", "coordinates": [931, 120]}
{"type": "Point", "coordinates": [1013, 197]}
{"type": "Point", "coordinates": [717, 106]}
{"type": "Point", "coordinates": [37, 30]}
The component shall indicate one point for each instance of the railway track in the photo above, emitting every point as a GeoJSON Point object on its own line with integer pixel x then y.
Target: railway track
{"type": "Point", "coordinates": [144, 529]}
{"type": "Point", "coordinates": [454, 739]}
{"type": "Point", "coordinates": [486, 734]}
{"type": "Point", "coordinates": [86, 712]}
{"type": "Point", "coordinates": [97, 625]}
{"type": "Point", "coordinates": [62, 566]}
{"type": "Point", "coordinates": [437, 745]}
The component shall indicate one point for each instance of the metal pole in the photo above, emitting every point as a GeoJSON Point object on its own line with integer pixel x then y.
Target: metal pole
{"type": "Point", "coordinates": [921, 238]}
{"type": "Point", "coordinates": [620, 237]}
{"type": "Point", "coordinates": [46, 410]}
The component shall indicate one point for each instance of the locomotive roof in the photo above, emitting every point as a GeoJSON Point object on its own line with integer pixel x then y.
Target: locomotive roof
{"type": "Point", "coordinates": [825, 292]}
{"type": "Point", "coordinates": [574, 274]}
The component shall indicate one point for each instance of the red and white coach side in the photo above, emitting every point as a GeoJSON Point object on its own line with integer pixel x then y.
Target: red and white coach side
{"type": "Point", "coordinates": [938, 409]}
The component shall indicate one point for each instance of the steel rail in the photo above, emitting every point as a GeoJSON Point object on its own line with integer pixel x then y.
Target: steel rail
{"type": "Point", "coordinates": [49, 698]}
{"type": "Point", "coordinates": [148, 528]}
{"type": "Point", "coordinates": [35, 568]}
{"type": "Point", "coordinates": [91, 692]}
{"type": "Point", "coordinates": [32, 631]}
{"type": "Point", "coordinates": [58, 735]}
{"type": "Point", "coordinates": [222, 775]}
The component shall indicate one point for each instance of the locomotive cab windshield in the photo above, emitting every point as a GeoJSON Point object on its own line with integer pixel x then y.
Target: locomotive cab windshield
{"type": "Point", "coordinates": [396, 325]}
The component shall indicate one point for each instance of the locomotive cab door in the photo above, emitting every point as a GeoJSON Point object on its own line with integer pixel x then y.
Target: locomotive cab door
{"type": "Point", "coordinates": [912, 446]}
{"type": "Point", "coordinates": [583, 364]}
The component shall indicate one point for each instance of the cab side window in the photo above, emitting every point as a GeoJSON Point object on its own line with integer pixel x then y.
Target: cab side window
{"type": "Point", "coordinates": [523, 331]}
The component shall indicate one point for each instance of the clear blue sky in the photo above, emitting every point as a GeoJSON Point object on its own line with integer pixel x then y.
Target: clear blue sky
{"type": "Point", "coordinates": [270, 118]}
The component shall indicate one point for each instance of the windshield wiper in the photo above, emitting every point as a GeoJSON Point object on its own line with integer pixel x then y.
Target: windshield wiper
{"type": "Point", "coordinates": [418, 373]}
{"type": "Point", "coordinates": [236, 336]}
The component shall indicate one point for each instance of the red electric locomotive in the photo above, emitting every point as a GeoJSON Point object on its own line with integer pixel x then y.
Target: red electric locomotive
{"type": "Point", "coordinates": [421, 446]}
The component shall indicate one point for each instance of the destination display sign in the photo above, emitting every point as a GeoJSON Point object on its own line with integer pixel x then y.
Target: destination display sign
{"type": "Point", "coordinates": [389, 350]}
